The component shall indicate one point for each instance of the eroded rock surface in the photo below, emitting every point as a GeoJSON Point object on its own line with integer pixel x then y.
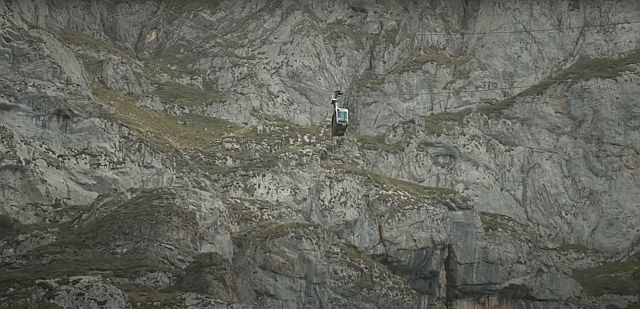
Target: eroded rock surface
{"type": "Point", "coordinates": [176, 154]}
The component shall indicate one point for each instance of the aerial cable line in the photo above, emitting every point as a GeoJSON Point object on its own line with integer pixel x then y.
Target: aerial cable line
{"type": "Point", "coordinates": [441, 93]}
{"type": "Point", "coordinates": [433, 33]}
{"type": "Point", "coordinates": [431, 93]}
{"type": "Point", "coordinates": [468, 33]}
{"type": "Point", "coordinates": [530, 30]}
{"type": "Point", "coordinates": [441, 33]}
{"type": "Point", "coordinates": [424, 33]}
{"type": "Point", "coordinates": [471, 33]}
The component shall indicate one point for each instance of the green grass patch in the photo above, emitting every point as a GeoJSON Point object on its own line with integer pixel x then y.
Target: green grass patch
{"type": "Point", "coordinates": [431, 56]}
{"type": "Point", "coordinates": [32, 26]}
{"type": "Point", "coordinates": [175, 93]}
{"type": "Point", "coordinates": [300, 7]}
{"type": "Point", "coordinates": [5, 107]}
{"type": "Point", "coordinates": [205, 260]}
{"type": "Point", "coordinates": [143, 212]}
{"type": "Point", "coordinates": [143, 297]}
{"type": "Point", "coordinates": [588, 68]}
{"type": "Point", "coordinates": [275, 230]}
{"type": "Point", "coordinates": [181, 6]}
{"type": "Point", "coordinates": [75, 37]}
{"type": "Point", "coordinates": [270, 230]}
{"type": "Point", "coordinates": [78, 262]}
{"type": "Point", "coordinates": [367, 80]}
{"type": "Point", "coordinates": [516, 291]}
{"type": "Point", "coordinates": [339, 30]}
{"type": "Point", "coordinates": [283, 128]}
{"type": "Point", "coordinates": [438, 123]}
{"type": "Point", "coordinates": [92, 65]}
{"type": "Point", "coordinates": [76, 250]}
{"type": "Point", "coordinates": [390, 36]}
{"type": "Point", "coordinates": [622, 278]}
{"type": "Point", "coordinates": [358, 9]}
{"type": "Point", "coordinates": [492, 222]}
{"type": "Point", "coordinates": [233, 54]}
{"type": "Point", "coordinates": [33, 40]}
{"type": "Point", "coordinates": [200, 138]}
{"type": "Point", "coordinates": [205, 272]}
{"type": "Point", "coordinates": [10, 228]}
{"type": "Point", "coordinates": [172, 62]}
{"type": "Point", "coordinates": [635, 305]}
{"type": "Point", "coordinates": [388, 183]}
{"type": "Point", "coordinates": [248, 211]}
{"type": "Point", "coordinates": [496, 107]}
{"type": "Point", "coordinates": [584, 69]}
{"type": "Point", "coordinates": [189, 130]}
{"type": "Point", "coordinates": [565, 246]}
{"type": "Point", "coordinates": [196, 140]}
{"type": "Point", "coordinates": [25, 301]}
{"type": "Point", "coordinates": [377, 143]}
{"type": "Point", "coordinates": [449, 26]}
{"type": "Point", "coordinates": [6, 223]}
{"type": "Point", "coordinates": [353, 254]}
{"type": "Point", "coordinates": [371, 274]}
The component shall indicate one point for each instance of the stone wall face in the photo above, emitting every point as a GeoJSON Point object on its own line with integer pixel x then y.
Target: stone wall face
{"type": "Point", "coordinates": [178, 154]}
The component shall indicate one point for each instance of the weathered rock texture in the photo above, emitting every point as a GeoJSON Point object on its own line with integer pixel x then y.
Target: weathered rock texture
{"type": "Point", "coordinates": [176, 154]}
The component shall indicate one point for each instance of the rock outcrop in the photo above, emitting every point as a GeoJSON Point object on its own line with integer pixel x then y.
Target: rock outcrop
{"type": "Point", "coordinates": [177, 154]}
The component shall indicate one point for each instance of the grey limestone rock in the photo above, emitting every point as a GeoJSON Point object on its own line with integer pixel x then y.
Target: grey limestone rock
{"type": "Point", "coordinates": [182, 147]}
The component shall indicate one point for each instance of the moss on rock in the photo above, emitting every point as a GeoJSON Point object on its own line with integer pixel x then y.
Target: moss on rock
{"type": "Point", "coordinates": [622, 278]}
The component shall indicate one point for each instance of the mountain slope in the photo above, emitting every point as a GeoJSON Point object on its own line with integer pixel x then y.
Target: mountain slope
{"type": "Point", "coordinates": [174, 154]}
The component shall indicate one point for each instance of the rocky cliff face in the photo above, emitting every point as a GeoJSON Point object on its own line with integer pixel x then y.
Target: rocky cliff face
{"type": "Point", "coordinates": [176, 154]}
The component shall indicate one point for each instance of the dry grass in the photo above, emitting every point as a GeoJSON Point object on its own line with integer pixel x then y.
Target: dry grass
{"type": "Point", "coordinates": [388, 183]}
{"type": "Point", "coordinates": [377, 143]}
{"type": "Point", "coordinates": [183, 131]}
{"type": "Point", "coordinates": [610, 278]}
{"type": "Point", "coordinates": [431, 56]}
{"type": "Point", "coordinates": [80, 38]}
{"type": "Point", "coordinates": [439, 123]}
{"type": "Point", "coordinates": [584, 69]}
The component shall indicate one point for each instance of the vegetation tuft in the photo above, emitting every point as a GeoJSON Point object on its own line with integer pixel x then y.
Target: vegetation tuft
{"type": "Point", "coordinates": [339, 30]}
{"type": "Point", "coordinates": [622, 278]}
{"type": "Point", "coordinates": [368, 80]}
{"type": "Point", "coordinates": [184, 131]}
{"type": "Point", "coordinates": [438, 123]}
{"type": "Point", "coordinates": [146, 298]}
{"type": "Point", "coordinates": [378, 143]}
{"type": "Point", "coordinates": [492, 222]}
{"type": "Point", "coordinates": [584, 69]}
{"type": "Point", "coordinates": [392, 183]}
{"type": "Point", "coordinates": [75, 251]}
{"type": "Point", "coordinates": [175, 93]}
{"type": "Point", "coordinates": [75, 37]}
{"type": "Point", "coordinates": [431, 56]}
{"type": "Point", "coordinates": [192, 5]}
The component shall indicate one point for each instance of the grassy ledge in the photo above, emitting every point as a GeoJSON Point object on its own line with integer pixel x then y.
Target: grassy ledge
{"type": "Point", "coordinates": [610, 278]}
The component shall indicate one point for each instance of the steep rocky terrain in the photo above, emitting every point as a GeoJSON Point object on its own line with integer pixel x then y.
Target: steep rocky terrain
{"type": "Point", "coordinates": [177, 154]}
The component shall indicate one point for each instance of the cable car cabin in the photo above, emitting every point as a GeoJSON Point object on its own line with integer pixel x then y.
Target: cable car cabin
{"type": "Point", "coordinates": [340, 121]}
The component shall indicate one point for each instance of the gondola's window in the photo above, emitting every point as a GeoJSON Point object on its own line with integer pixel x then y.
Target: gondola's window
{"type": "Point", "coordinates": [343, 116]}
